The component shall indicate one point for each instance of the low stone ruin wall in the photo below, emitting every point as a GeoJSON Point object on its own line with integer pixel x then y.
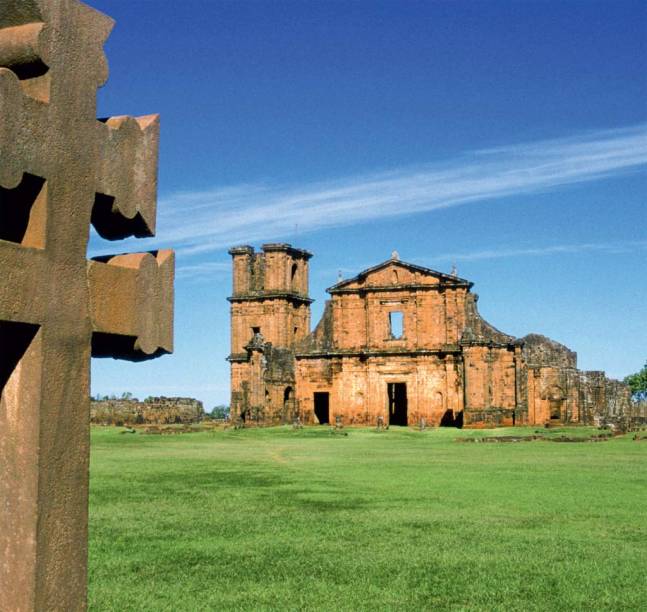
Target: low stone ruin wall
{"type": "Point", "coordinates": [152, 411]}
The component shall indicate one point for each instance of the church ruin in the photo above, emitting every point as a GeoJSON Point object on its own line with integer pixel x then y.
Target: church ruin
{"type": "Point", "coordinates": [397, 341]}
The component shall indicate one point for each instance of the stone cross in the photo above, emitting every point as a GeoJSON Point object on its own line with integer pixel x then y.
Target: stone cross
{"type": "Point", "coordinates": [61, 170]}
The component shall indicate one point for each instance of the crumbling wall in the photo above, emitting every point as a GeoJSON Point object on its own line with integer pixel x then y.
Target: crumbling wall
{"type": "Point", "coordinates": [477, 330]}
{"type": "Point", "coordinates": [490, 360]}
{"type": "Point", "coordinates": [321, 340]}
{"type": "Point", "coordinates": [489, 379]}
{"type": "Point", "coordinates": [550, 381]}
{"type": "Point", "coordinates": [263, 385]}
{"type": "Point", "coordinates": [541, 351]}
{"type": "Point", "coordinates": [556, 390]}
{"type": "Point", "coordinates": [607, 402]}
{"type": "Point", "coordinates": [154, 410]}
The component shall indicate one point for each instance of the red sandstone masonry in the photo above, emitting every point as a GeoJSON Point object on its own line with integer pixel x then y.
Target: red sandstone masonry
{"type": "Point", "coordinates": [457, 368]}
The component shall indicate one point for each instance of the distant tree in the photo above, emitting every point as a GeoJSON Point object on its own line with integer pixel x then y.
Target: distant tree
{"type": "Point", "coordinates": [638, 384]}
{"type": "Point", "coordinates": [126, 395]}
{"type": "Point", "coordinates": [220, 412]}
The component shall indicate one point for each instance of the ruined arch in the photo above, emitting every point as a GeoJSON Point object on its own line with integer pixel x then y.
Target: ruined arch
{"type": "Point", "coordinates": [555, 397]}
{"type": "Point", "coordinates": [288, 403]}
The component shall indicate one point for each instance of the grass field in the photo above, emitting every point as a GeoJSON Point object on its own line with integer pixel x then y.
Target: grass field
{"type": "Point", "coordinates": [282, 519]}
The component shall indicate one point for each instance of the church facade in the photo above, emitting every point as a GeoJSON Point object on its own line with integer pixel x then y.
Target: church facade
{"type": "Point", "coordinates": [397, 341]}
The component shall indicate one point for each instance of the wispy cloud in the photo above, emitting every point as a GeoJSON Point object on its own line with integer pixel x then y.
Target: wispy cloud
{"type": "Point", "coordinates": [611, 248]}
{"type": "Point", "coordinates": [200, 222]}
{"type": "Point", "coordinates": [206, 268]}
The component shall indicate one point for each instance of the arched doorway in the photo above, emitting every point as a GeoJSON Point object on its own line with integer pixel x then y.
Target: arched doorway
{"type": "Point", "coordinates": [288, 404]}
{"type": "Point", "coordinates": [555, 409]}
{"type": "Point", "coordinates": [555, 404]}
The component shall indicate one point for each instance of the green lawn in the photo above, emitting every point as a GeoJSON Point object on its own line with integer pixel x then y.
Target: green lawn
{"type": "Point", "coordinates": [278, 519]}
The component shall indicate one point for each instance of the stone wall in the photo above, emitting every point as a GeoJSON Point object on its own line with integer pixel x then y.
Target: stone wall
{"type": "Point", "coordinates": [608, 402]}
{"type": "Point", "coordinates": [541, 351]}
{"type": "Point", "coordinates": [153, 410]}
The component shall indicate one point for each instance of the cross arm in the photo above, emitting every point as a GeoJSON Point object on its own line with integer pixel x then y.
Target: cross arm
{"type": "Point", "coordinates": [126, 201]}
{"type": "Point", "coordinates": [131, 304]}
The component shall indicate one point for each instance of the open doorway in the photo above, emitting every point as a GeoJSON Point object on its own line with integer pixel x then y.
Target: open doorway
{"type": "Point", "coordinates": [451, 419]}
{"type": "Point", "coordinates": [322, 407]}
{"type": "Point", "coordinates": [288, 404]}
{"type": "Point", "coordinates": [397, 394]}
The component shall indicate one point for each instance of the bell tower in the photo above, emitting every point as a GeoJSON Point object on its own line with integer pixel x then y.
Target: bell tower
{"type": "Point", "coordinates": [270, 309]}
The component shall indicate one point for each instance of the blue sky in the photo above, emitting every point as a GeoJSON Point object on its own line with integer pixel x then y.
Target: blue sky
{"type": "Point", "coordinates": [509, 138]}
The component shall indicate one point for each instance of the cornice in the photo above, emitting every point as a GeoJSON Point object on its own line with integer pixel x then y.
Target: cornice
{"type": "Point", "coordinates": [278, 295]}
{"type": "Point", "coordinates": [238, 358]}
{"type": "Point", "coordinates": [447, 349]}
{"type": "Point", "coordinates": [440, 287]}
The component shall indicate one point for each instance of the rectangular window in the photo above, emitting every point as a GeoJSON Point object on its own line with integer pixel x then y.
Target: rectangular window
{"type": "Point", "coordinates": [396, 324]}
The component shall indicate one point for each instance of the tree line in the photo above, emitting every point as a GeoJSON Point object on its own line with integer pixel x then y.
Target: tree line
{"type": "Point", "coordinates": [637, 383]}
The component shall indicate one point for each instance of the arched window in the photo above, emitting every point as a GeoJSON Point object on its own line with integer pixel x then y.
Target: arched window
{"type": "Point", "coordinates": [293, 275]}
